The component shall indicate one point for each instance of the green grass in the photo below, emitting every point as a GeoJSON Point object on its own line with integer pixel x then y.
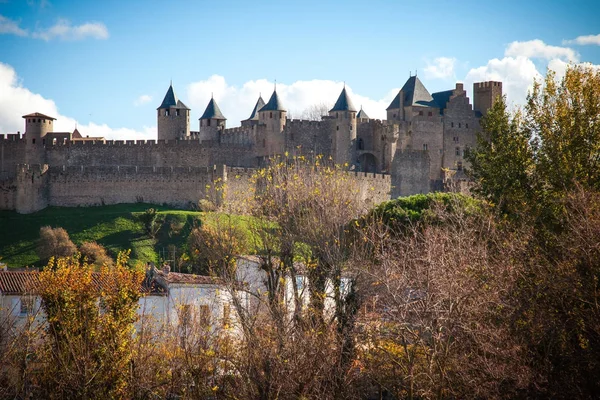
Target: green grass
{"type": "Point", "coordinates": [115, 227]}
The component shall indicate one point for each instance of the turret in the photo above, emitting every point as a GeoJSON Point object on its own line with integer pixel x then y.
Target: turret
{"type": "Point", "coordinates": [362, 116]}
{"type": "Point", "coordinates": [253, 119]}
{"type": "Point", "coordinates": [345, 129]}
{"type": "Point", "coordinates": [273, 117]}
{"type": "Point", "coordinates": [485, 95]}
{"type": "Point", "coordinates": [212, 122]}
{"type": "Point", "coordinates": [37, 126]}
{"type": "Point", "coordinates": [173, 118]}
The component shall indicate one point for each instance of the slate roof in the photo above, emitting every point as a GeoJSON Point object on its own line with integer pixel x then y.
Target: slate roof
{"type": "Point", "coordinates": [274, 104]}
{"type": "Point", "coordinates": [343, 102]}
{"type": "Point", "coordinates": [37, 115]}
{"type": "Point", "coordinates": [171, 100]}
{"type": "Point", "coordinates": [260, 103]}
{"type": "Point", "coordinates": [212, 111]}
{"type": "Point", "coordinates": [362, 114]}
{"type": "Point", "coordinates": [442, 98]}
{"type": "Point", "coordinates": [415, 94]}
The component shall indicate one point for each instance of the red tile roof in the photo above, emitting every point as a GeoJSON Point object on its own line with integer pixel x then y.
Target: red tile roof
{"type": "Point", "coordinates": [18, 282]}
{"type": "Point", "coordinates": [27, 282]}
{"type": "Point", "coordinates": [37, 115]}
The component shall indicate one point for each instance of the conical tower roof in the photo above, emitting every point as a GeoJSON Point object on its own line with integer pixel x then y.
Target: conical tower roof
{"type": "Point", "coordinates": [212, 111]}
{"type": "Point", "coordinates": [260, 103]}
{"type": "Point", "coordinates": [415, 94]}
{"type": "Point", "coordinates": [171, 100]}
{"type": "Point", "coordinates": [362, 114]}
{"type": "Point", "coordinates": [274, 104]}
{"type": "Point", "coordinates": [343, 102]}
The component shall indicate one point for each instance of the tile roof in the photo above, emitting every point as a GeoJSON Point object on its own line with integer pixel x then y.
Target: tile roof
{"type": "Point", "coordinates": [343, 102]}
{"type": "Point", "coordinates": [27, 282]}
{"type": "Point", "coordinates": [212, 111]}
{"type": "Point", "coordinates": [178, 277]}
{"type": "Point", "coordinates": [37, 115]}
{"type": "Point", "coordinates": [260, 103]}
{"type": "Point", "coordinates": [18, 282]}
{"type": "Point", "coordinates": [274, 104]}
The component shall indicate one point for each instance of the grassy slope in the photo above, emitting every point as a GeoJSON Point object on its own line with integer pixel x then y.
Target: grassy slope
{"type": "Point", "coordinates": [115, 227]}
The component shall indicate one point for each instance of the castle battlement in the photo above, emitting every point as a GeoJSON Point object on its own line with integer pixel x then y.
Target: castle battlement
{"type": "Point", "coordinates": [128, 170]}
{"type": "Point", "coordinates": [480, 85]}
{"type": "Point", "coordinates": [303, 122]}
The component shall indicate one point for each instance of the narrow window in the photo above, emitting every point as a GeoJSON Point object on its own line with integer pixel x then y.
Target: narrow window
{"type": "Point", "coordinates": [350, 127]}
{"type": "Point", "coordinates": [361, 144]}
{"type": "Point", "coordinates": [270, 115]}
{"type": "Point", "coordinates": [467, 126]}
{"type": "Point", "coordinates": [425, 146]}
{"type": "Point", "coordinates": [204, 315]}
{"type": "Point", "coordinates": [451, 124]}
{"type": "Point", "coordinates": [430, 114]}
{"type": "Point", "coordinates": [208, 122]}
{"type": "Point", "coordinates": [459, 166]}
{"type": "Point", "coordinates": [226, 314]}
{"type": "Point", "coordinates": [457, 151]}
{"type": "Point", "coordinates": [459, 124]}
{"type": "Point", "coordinates": [337, 128]}
{"type": "Point", "coordinates": [33, 141]}
{"type": "Point", "coordinates": [177, 113]}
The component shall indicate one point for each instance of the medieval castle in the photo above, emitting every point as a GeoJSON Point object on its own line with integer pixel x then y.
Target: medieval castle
{"type": "Point", "coordinates": [418, 149]}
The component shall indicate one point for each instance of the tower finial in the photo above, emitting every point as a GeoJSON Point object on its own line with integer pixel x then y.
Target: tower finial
{"type": "Point", "coordinates": [344, 84]}
{"type": "Point", "coordinates": [275, 87]}
{"type": "Point", "coordinates": [171, 84]}
{"type": "Point", "coordinates": [211, 95]}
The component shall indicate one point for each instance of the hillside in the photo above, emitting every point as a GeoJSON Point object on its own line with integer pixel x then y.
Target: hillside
{"type": "Point", "coordinates": [116, 227]}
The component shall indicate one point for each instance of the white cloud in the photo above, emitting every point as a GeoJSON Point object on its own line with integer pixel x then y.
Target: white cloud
{"type": "Point", "coordinates": [65, 31]}
{"type": "Point", "coordinates": [515, 73]}
{"type": "Point", "coordinates": [62, 30]}
{"type": "Point", "coordinates": [584, 40]}
{"type": "Point", "coordinates": [441, 68]}
{"type": "Point", "coordinates": [16, 101]}
{"type": "Point", "coordinates": [538, 49]}
{"type": "Point", "coordinates": [237, 103]}
{"type": "Point", "coordinates": [10, 27]}
{"type": "Point", "coordinates": [143, 99]}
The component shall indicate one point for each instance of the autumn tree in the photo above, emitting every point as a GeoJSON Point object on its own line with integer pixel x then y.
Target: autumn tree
{"type": "Point", "coordinates": [89, 338]}
{"type": "Point", "coordinates": [54, 242]}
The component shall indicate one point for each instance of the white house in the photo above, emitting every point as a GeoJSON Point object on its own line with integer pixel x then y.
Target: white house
{"type": "Point", "coordinates": [169, 299]}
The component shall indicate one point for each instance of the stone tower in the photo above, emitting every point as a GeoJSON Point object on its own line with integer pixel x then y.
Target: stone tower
{"type": "Point", "coordinates": [37, 126]}
{"type": "Point", "coordinates": [173, 118]}
{"type": "Point", "coordinates": [212, 122]}
{"type": "Point", "coordinates": [272, 117]}
{"type": "Point", "coordinates": [485, 94]}
{"type": "Point", "coordinates": [344, 136]}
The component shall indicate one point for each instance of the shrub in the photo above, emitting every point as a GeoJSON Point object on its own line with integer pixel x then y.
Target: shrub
{"type": "Point", "coordinates": [54, 242]}
{"type": "Point", "coordinates": [95, 254]}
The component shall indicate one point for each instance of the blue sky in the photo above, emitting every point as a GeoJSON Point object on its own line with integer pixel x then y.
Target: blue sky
{"type": "Point", "coordinates": [107, 64]}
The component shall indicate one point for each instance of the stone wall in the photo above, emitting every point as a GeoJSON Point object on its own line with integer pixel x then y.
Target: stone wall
{"type": "Point", "coordinates": [176, 153]}
{"type": "Point", "coordinates": [73, 186]}
{"type": "Point", "coordinates": [12, 152]}
{"type": "Point", "coordinates": [410, 173]}
{"type": "Point", "coordinates": [8, 192]}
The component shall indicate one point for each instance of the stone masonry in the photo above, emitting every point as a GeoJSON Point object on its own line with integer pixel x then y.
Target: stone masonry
{"type": "Point", "coordinates": [417, 149]}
